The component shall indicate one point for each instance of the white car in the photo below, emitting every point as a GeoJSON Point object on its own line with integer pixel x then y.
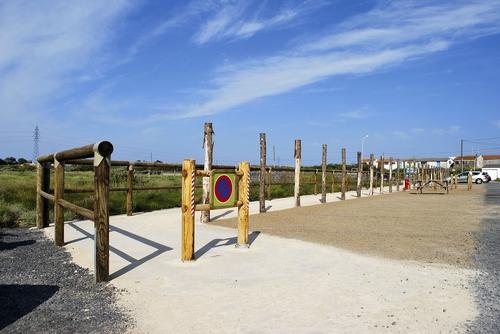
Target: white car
{"type": "Point", "coordinates": [477, 177]}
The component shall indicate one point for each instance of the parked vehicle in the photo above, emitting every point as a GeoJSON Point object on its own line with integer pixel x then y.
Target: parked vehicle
{"type": "Point", "coordinates": [477, 177]}
{"type": "Point", "coordinates": [487, 176]}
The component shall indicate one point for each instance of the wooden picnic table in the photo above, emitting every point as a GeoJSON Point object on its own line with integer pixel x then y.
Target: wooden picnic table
{"type": "Point", "coordinates": [420, 184]}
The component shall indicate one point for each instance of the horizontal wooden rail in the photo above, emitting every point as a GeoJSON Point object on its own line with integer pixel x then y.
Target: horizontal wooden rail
{"type": "Point", "coordinates": [89, 214]}
{"type": "Point", "coordinates": [104, 148]}
{"type": "Point", "coordinates": [46, 195]}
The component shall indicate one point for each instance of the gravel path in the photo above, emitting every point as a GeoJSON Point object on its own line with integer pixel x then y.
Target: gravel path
{"type": "Point", "coordinates": [42, 291]}
{"type": "Point", "coordinates": [487, 284]}
{"type": "Point", "coordinates": [427, 228]}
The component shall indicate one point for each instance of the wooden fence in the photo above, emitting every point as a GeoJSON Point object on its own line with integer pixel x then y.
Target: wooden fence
{"type": "Point", "coordinates": [101, 156]}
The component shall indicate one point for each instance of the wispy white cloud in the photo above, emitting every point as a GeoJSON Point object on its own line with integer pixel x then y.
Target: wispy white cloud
{"type": "Point", "coordinates": [496, 124]}
{"type": "Point", "coordinates": [233, 21]}
{"type": "Point", "coordinates": [355, 114]}
{"type": "Point", "coordinates": [44, 47]}
{"type": "Point", "coordinates": [417, 130]}
{"type": "Point", "coordinates": [446, 131]}
{"type": "Point", "coordinates": [386, 36]}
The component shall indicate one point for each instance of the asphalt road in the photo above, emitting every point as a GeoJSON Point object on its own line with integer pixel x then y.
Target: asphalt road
{"type": "Point", "coordinates": [487, 284]}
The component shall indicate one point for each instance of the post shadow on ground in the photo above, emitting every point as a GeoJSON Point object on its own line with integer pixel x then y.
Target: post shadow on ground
{"type": "Point", "coordinates": [134, 263]}
{"type": "Point", "coordinates": [225, 213]}
{"type": "Point", "coordinates": [17, 300]}
{"type": "Point", "coordinates": [11, 245]}
{"type": "Point", "coordinates": [223, 242]}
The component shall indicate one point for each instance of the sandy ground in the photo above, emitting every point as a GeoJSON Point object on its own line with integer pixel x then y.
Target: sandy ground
{"type": "Point", "coordinates": [285, 285]}
{"type": "Point", "coordinates": [428, 228]}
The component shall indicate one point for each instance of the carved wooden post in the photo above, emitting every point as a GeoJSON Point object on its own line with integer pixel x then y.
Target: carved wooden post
{"type": "Point", "coordinates": [243, 210]}
{"type": "Point", "coordinates": [371, 173]}
{"type": "Point", "coordinates": [262, 174]}
{"type": "Point", "coordinates": [187, 209]}
{"type": "Point", "coordinates": [469, 181]}
{"type": "Point", "coordinates": [42, 204]}
{"type": "Point", "coordinates": [360, 175]}
{"type": "Point", "coordinates": [323, 173]}
{"type": "Point", "coordinates": [297, 156]}
{"type": "Point", "coordinates": [58, 209]}
{"type": "Point", "coordinates": [344, 175]}
{"type": "Point", "coordinates": [381, 174]}
{"type": "Point", "coordinates": [208, 146]}
{"type": "Point", "coordinates": [130, 185]}
{"type": "Point", "coordinates": [101, 214]}
{"type": "Point", "coordinates": [390, 175]}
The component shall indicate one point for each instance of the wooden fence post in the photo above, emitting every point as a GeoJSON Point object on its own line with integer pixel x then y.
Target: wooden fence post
{"type": "Point", "coordinates": [469, 181]}
{"type": "Point", "coordinates": [262, 174]}
{"type": "Point", "coordinates": [371, 173]}
{"type": "Point", "coordinates": [297, 156]}
{"type": "Point", "coordinates": [398, 175]}
{"type": "Point", "coordinates": [390, 175]}
{"type": "Point", "coordinates": [381, 174]}
{"type": "Point", "coordinates": [333, 181]}
{"type": "Point", "coordinates": [243, 210]}
{"type": "Point", "coordinates": [101, 215]}
{"type": "Point", "coordinates": [58, 209]}
{"type": "Point", "coordinates": [269, 183]}
{"type": "Point", "coordinates": [130, 185]}
{"type": "Point", "coordinates": [344, 174]}
{"type": "Point", "coordinates": [42, 204]}
{"type": "Point", "coordinates": [187, 209]}
{"type": "Point", "coordinates": [323, 173]}
{"type": "Point", "coordinates": [208, 146]}
{"type": "Point", "coordinates": [360, 175]}
{"type": "Point", "coordinates": [316, 182]}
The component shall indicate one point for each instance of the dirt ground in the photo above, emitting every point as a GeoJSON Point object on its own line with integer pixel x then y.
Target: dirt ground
{"type": "Point", "coordinates": [430, 228]}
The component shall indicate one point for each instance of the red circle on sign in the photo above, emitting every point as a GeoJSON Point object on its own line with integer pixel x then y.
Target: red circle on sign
{"type": "Point", "coordinates": [223, 188]}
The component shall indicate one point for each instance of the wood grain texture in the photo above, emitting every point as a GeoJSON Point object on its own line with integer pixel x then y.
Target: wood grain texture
{"type": "Point", "coordinates": [244, 209]}
{"type": "Point", "coordinates": [188, 233]}
{"type": "Point", "coordinates": [208, 147]}
{"type": "Point", "coordinates": [101, 220]}
{"type": "Point", "coordinates": [343, 185]}
{"type": "Point", "coordinates": [298, 157]}
{"type": "Point", "coordinates": [58, 208]}
{"type": "Point", "coordinates": [360, 175]}
{"type": "Point", "coordinates": [262, 174]}
{"type": "Point", "coordinates": [323, 172]}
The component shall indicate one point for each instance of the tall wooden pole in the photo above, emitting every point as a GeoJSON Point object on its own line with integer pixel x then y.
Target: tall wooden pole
{"type": "Point", "coordinates": [297, 156]}
{"type": "Point", "coordinates": [360, 175]}
{"type": "Point", "coordinates": [58, 209]}
{"type": "Point", "coordinates": [208, 146]}
{"type": "Point", "coordinates": [42, 204]}
{"type": "Point", "coordinates": [390, 175]}
{"type": "Point", "coordinates": [262, 174]}
{"type": "Point", "coordinates": [101, 216]}
{"type": "Point", "coordinates": [243, 210]}
{"type": "Point", "coordinates": [316, 182]}
{"type": "Point", "coordinates": [398, 175]}
{"type": "Point", "coordinates": [371, 173]}
{"type": "Point", "coordinates": [344, 174]}
{"type": "Point", "coordinates": [130, 190]}
{"type": "Point", "coordinates": [187, 209]}
{"type": "Point", "coordinates": [381, 174]}
{"type": "Point", "coordinates": [323, 173]}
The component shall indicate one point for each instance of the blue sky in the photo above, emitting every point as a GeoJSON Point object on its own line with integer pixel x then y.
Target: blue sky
{"type": "Point", "coordinates": [416, 76]}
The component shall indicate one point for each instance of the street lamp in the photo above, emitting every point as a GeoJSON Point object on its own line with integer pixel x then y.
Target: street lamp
{"type": "Point", "coordinates": [362, 145]}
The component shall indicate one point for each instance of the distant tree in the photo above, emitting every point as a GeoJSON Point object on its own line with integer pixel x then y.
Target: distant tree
{"type": "Point", "coordinates": [2, 162]}
{"type": "Point", "coordinates": [21, 161]}
{"type": "Point", "coordinates": [10, 160]}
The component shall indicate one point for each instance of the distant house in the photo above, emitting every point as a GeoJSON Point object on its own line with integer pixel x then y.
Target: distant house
{"type": "Point", "coordinates": [469, 161]}
{"type": "Point", "coordinates": [493, 170]}
{"type": "Point", "coordinates": [490, 160]}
